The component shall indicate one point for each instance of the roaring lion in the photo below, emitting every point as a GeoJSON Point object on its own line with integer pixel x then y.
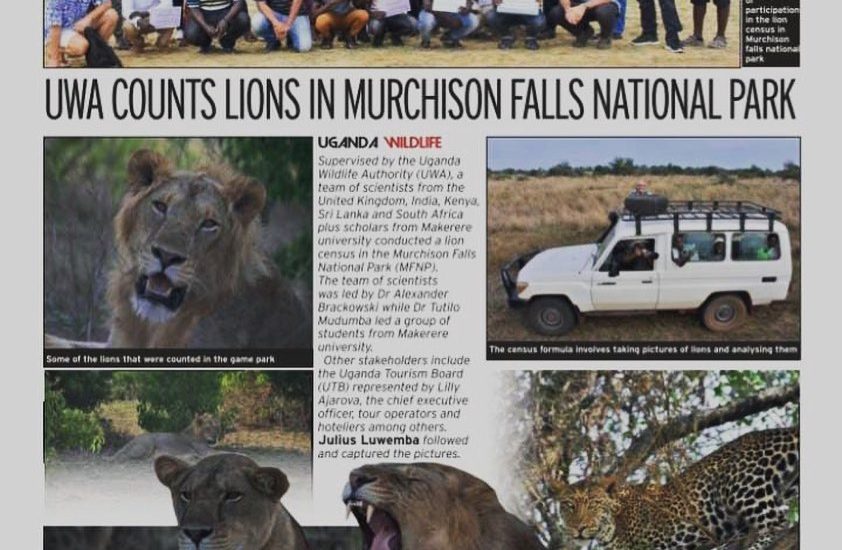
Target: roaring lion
{"type": "Point", "coordinates": [193, 443]}
{"type": "Point", "coordinates": [427, 506]}
{"type": "Point", "coordinates": [227, 501]}
{"type": "Point", "coordinates": [189, 271]}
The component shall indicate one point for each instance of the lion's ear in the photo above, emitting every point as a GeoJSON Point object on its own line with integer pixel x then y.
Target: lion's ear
{"type": "Point", "coordinates": [247, 197]}
{"type": "Point", "coordinates": [270, 481]}
{"type": "Point", "coordinates": [169, 469]}
{"type": "Point", "coordinates": [144, 167]}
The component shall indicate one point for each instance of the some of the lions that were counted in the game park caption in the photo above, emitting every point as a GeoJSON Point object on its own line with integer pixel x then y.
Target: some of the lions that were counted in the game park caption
{"type": "Point", "coordinates": [228, 501]}
{"type": "Point", "coordinates": [188, 271]}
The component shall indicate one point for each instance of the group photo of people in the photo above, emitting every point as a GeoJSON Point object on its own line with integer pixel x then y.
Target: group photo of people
{"type": "Point", "coordinates": [386, 33]}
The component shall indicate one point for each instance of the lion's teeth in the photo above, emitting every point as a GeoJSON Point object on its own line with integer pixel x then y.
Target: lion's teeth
{"type": "Point", "coordinates": [347, 510]}
{"type": "Point", "coordinates": [369, 513]}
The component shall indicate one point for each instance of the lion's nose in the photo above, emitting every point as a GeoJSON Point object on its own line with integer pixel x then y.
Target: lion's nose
{"type": "Point", "coordinates": [197, 535]}
{"type": "Point", "coordinates": [358, 479]}
{"type": "Point", "coordinates": [166, 257]}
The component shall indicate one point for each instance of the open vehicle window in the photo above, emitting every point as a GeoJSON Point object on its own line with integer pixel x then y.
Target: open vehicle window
{"type": "Point", "coordinates": [698, 246]}
{"type": "Point", "coordinates": [755, 246]}
{"type": "Point", "coordinates": [631, 255]}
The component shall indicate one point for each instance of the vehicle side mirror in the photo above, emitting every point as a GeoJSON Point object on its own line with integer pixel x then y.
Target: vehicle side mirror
{"type": "Point", "coordinates": [655, 255]}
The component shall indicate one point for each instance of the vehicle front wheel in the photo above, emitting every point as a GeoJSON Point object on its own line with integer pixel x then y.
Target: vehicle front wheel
{"type": "Point", "coordinates": [551, 316]}
{"type": "Point", "coordinates": [724, 313]}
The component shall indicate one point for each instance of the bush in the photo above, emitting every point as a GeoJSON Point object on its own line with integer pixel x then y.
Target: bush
{"type": "Point", "coordinates": [81, 389]}
{"type": "Point", "coordinates": [69, 429]}
{"type": "Point", "coordinates": [169, 400]}
{"type": "Point", "coordinates": [246, 398]}
{"type": "Point", "coordinates": [125, 385]}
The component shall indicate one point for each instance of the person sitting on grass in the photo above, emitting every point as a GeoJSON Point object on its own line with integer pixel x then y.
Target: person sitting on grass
{"type": "Point", "coordinates": [136, 24]}
{"type": "Point", "coordinates": [700, 7]}
{"type": "Point", "coordinates": [649, 25]}
{"type": "Point", "coordinates": [340, 17]}
{"type": "Point", "coordinates": [576, 17]}
{"type": "Point", "coordinates": [397, 26]}
{"type": "Point", "coordinates": [284, 21]}
{"type": "Point", "coordinates": [65, 22]}
{"type": "Point", "coordinates": [457, 25]}
{"type": "Point", "coordinates": [223, 20]}
{"type": "Point", "coordinates": [504, 23]}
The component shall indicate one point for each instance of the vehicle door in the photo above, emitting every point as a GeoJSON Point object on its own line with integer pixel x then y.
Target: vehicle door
{"type": "Point", "coordinates": [627, 277]}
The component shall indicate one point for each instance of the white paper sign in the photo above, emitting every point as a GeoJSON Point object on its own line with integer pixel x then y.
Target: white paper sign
{"type": "Point", "coordinates": [448, 6]}
{"type": "Point", "coordinates": [165, 17]}
{"type": "Point", "coordinates": [392, 7]}
{"type": "Point", "coordinates": [519, 7]}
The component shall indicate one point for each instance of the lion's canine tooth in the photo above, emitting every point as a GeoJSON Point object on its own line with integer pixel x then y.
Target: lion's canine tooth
{"type": "Point", "coordinates": [369, 513]}
{"type": "Point", "coordinates": [347, 510]}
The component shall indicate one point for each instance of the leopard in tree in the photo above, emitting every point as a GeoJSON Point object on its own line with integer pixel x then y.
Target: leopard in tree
{"type": "Point", "coordinates": [739, 493]}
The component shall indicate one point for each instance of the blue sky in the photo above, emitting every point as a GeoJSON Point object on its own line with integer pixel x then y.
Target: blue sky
{"type": "Point", "coordinates": [531, 153]}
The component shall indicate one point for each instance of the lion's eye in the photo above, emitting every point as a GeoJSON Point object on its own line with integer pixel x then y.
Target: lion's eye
{"type": "Point", "coordinates": [185, 496]}
{"type": "Point", "coordinates": [233, 496]}
{"type": "Point", "coordinates": [208, 225]}
{"type": "Point", "coordinates": [159, 206]}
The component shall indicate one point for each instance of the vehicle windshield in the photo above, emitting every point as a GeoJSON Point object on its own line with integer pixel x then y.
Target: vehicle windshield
{"type": "Point", "coordinates": [607, 238]}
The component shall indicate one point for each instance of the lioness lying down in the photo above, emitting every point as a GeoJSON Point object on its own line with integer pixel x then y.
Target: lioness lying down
{"type": "Point", "coordinates": [428, 506]}
{"type": "Point", "coordinates": [228, 502]}
{"type": "Point", "coordinates": [191, 444]}
{"type": "Point", "coordinates": [188, 270]}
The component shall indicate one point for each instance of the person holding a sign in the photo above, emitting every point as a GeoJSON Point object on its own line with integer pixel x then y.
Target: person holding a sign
{"type": "Point", "coordinates": [393, 17]}
{"type": "Point", "coordinates": [340, 16]}
{"type": "Point", "coordinates": [65, 22]}
{"type": "Point", "coordinates": [142, 17]}
{"type": "Point", "coordinates": [284, 21]}
{"type": "Point", "coordinates": [209, 20]}
{"type": "Point", "coordinates": [509, 14]}
{"type": "Point", "coordinates": [576, 17]}
{"type": "Point", "coordinates": [453, 15]}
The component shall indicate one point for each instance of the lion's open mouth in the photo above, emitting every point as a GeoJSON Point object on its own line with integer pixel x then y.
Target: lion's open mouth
{"type": "Point", "coordinates": [159, 289]}
{"type": "Point", "coordinates": [380, 530]}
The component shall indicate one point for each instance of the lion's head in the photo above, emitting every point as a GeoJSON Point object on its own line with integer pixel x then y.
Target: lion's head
{"type": "Point", "coordinates": [226, 501]}
{"type": "Point", "coordinates": [183, 237]}
{"type": "Point", "coordinates": [587, 511]}
{"type": "Point", "coordinates": [206, 427]}
{"type": "Point", "coordinates": [427, 506]}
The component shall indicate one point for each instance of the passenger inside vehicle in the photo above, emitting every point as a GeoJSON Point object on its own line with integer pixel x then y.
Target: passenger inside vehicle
{"type": "Point", "coordinates": [636, 255]}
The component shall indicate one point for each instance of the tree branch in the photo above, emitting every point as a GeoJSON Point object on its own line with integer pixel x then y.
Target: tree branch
{"type": "Point", "coordinates": [655, 437]}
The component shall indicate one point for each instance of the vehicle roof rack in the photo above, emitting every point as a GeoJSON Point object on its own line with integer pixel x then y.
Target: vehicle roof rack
{"type": "Point", "coordinates": [709, 211]}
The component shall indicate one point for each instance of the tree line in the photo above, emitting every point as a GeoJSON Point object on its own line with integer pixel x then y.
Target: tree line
{"type": "Point", "coordinates": [622, 166]}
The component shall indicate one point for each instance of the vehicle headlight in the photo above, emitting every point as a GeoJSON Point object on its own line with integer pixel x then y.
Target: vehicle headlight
{"type": "Point", "coordinates": [521, 286]}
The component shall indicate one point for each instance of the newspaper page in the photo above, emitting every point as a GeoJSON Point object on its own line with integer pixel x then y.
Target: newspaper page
{"type": "Point", "coordinates": [412, 275]}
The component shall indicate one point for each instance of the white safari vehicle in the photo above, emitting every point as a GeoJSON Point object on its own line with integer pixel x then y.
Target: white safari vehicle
{"type": "Point", "coordinates": [718, 258]}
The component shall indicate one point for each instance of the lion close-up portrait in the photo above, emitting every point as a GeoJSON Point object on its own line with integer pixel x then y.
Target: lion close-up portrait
{"type": "Point", "coordinates": [426, 506]}
{"type": "Point", "coordinates": [227, 502]}
{"type": "Point", "coordinates": [188, 265]}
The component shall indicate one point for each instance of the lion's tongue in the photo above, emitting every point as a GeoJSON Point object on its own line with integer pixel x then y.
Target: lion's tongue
{"type": "Point", "coordinates": [159, 284]}
{"type": "Point", "coordinates": [386, 533]}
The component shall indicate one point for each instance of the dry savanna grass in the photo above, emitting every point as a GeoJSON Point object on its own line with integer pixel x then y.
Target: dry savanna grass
{"type": "Point", "coordinates": [537, 213]}
{"type": "Point", "coordinates": [477, 53]}
{"type": "Point", "coordinates": [122, 417]}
